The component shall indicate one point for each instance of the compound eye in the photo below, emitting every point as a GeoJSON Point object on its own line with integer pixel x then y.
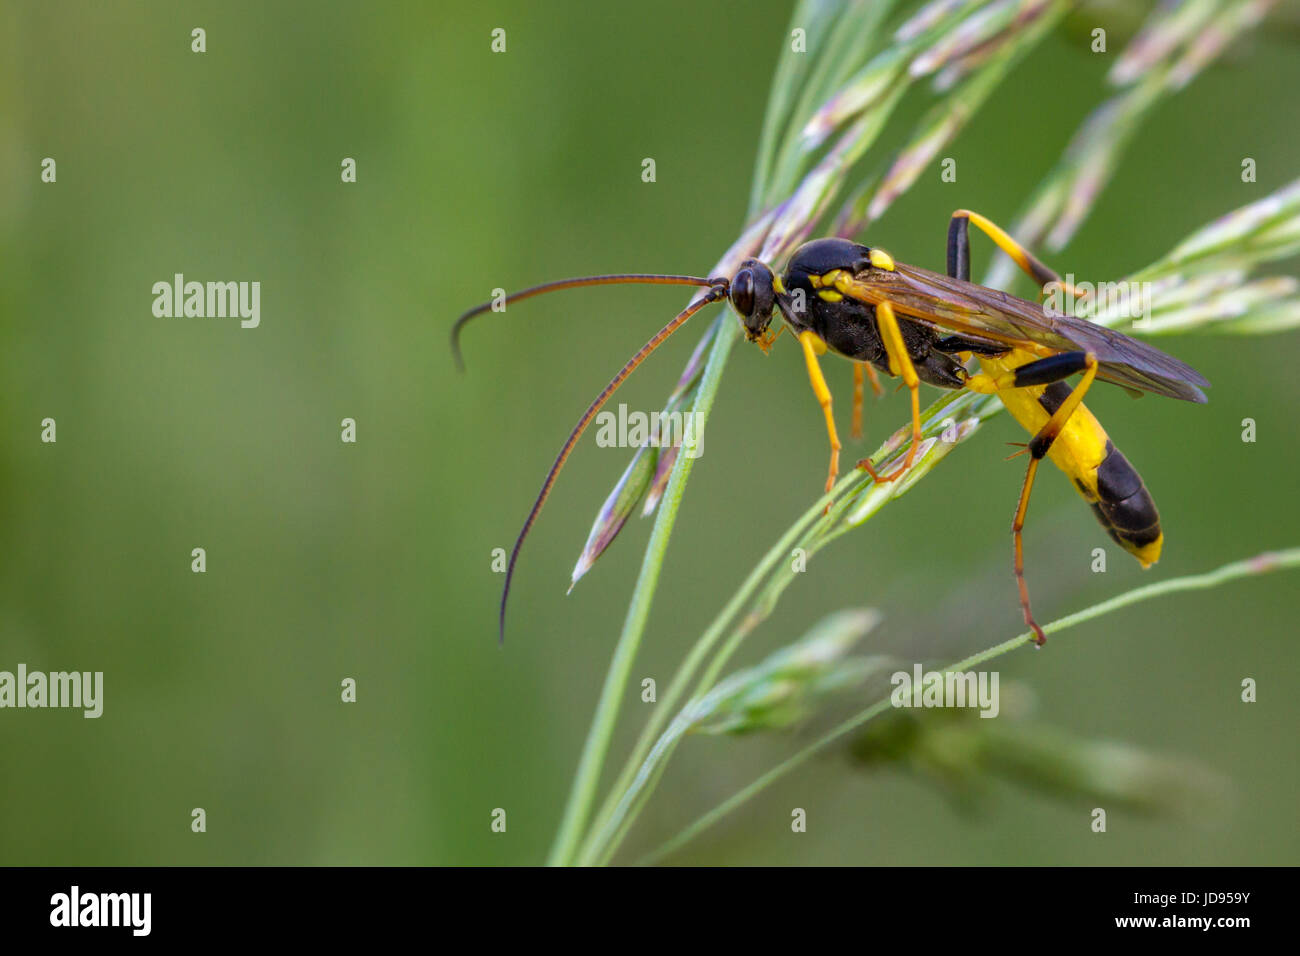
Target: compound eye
{"type": "Point", "coordinates": [742, 293]}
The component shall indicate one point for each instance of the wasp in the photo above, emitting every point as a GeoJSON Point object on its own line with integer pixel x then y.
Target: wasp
{"type": "Point", "coordinates": [857, 302]}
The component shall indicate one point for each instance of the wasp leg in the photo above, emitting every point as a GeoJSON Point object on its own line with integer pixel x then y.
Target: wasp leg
{"type": "Point", "coordinates": [959, 251]}
{"type": "Point", "coordinates": [1043, 372]}
{"type": "Point", "coordinates": [861, 371]}
{"type": "Point", "coordinates": [900, 363]}
{"type": "Point", "coordinates": [811, 347]}
{"type": "Point", "coordinates": [876, 388]}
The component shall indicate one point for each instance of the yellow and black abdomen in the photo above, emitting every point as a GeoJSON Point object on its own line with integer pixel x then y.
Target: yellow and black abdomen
{"type": "Point", "coordinates": [1098, 470]}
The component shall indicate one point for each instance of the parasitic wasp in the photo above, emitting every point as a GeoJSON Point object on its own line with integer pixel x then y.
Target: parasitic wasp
{"type": "Point", "coordinates": [855, 301]}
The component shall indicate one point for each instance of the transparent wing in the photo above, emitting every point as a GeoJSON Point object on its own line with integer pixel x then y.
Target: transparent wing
{"type": "Point", "coordinates": [995, 318]}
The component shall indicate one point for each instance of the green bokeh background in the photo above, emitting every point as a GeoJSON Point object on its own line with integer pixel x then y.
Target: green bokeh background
{"type": "Point", "coordinates": [371, 561]}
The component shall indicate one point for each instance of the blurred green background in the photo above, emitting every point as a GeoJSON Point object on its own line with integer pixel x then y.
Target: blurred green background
{"type": "Point", "coordinates": [372, 561]}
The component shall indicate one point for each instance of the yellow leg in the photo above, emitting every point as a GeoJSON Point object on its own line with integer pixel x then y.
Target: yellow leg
{"type": "Point", "coordinates": [863, 371]}
{"type": "Point", "coordinates": [811, 346]}
{"type": "Point", "coordinates": [1032, 266]}
{"type": "Point", "coordinates": [900, 363]}
{"type": "Point", "coordinates": [769, 338]}
{"type": "Point", "coordinates": [1017, 526]}
{"type": "Point", "coordinates": [1038, 448]}
{"type": "Point", "coordinates": [876, 388]}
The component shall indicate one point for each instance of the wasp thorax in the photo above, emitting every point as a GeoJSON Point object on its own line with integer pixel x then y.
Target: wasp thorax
{"type": "Point", "coordinates": [753, 297]}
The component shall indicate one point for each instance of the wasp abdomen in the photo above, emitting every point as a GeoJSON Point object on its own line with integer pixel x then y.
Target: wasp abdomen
{"type": "Point", "coordinates": [1125, 507]}
{"type": "Point", "coordinates": [1115, 491]}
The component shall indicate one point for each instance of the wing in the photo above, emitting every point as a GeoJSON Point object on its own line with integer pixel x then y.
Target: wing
{"type": "Point", "coordinates": [995, 318]}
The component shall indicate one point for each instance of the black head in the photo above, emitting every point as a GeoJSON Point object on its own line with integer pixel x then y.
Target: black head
{"type": "Point", "coordinates": [753, 297]}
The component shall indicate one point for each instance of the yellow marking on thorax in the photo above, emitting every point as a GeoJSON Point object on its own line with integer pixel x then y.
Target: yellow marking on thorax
{"type": "Point", "coordinates": [881, 259]}
{"type": "Point", "coordinates": [825, 285]}
{"type": "Point", "coordinates": [1081, 446]}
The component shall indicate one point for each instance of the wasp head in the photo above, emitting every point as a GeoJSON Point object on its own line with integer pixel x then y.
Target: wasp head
{"type": "Point", "coordinates": [753, 297]}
